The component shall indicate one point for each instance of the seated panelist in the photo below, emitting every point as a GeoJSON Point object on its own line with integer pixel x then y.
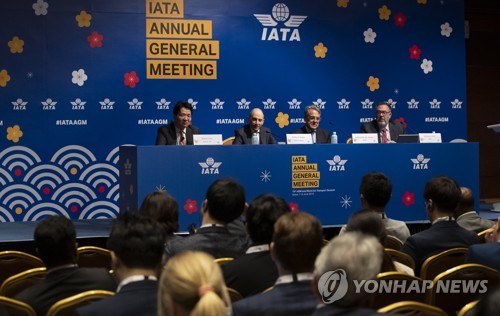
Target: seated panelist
{"type": "Point", "coordinates": [243, 135]}
{"type": "Point", "coordinates": [312, 117]}
{"type": "Point", "coordinates": [180, 131]}
{"type": "Point", "coordinates": [387, 130]}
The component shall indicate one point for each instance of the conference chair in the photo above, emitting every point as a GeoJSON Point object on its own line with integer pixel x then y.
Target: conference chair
{"type": "Point", "coordinates": [401, 257]}
{"type": "Point", "coordinates": [15, 308]}
{"type": "Point", "coordinates": [441, 262]}
{"type": "Point", "coordinates": [21, 281]}
{"type": "Point", "coordinates": [412, 308]}
{"type": "Point", "coordinates": [222, 261]}
{"type": "Point", "coordinates": [482, 234]}
{"type": "Point", "coordinates": [410, 293]}
{"type": "Point", "coordinates": [228, 141]}
{"type": "Point", "coordinates": [67, 306]}
{"type": "Point", "coordinates": [472, 275]}
{"type": "Point", "coordinates": [468, 309]}
{"type": "Point", "coordinates": [94, 257]}
{"type": "Point", "coordinates": [393, 243]}
{"type": "Point", "coordinates": [234, 295]}
{"type": "Point", "coordinates": [14, 262]}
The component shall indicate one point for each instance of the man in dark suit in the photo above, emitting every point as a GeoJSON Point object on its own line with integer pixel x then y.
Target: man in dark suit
{"type": "Point", "coordinates": [441, 195]}
{"type": "Point", "coordinates": [489, 252]}
{"type": "Point", "coordinates": [387, 130]}
{"type": "Point", "coordinates": [55, 239]}
{"type": "Point", "coordinates": [297, 240]}
{"type": "Point", "coordinates": [224, 202]}
{"type": "Point", "coordinates": [255, 271]}
{"type": "Point", "coordinates": [467, 216]}
{"type": "Point", "coordinates": [312, 117]}
{"type": "Point", "coordinates": [243, 135]}
{"type": "Point", "coordinates": [180, 131]}
{"type": "Point", "coordinates": [136, 243]}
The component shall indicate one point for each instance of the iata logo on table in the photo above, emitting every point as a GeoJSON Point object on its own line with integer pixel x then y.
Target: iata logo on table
{"type": "Point", "coordinates": [280, 14]}
{"type": "Point", "coordinates": [210, 166]}
{"type": "Point", "coordinates": [337, 163]}
{"type": "Point", "coordinates": [420, 162]}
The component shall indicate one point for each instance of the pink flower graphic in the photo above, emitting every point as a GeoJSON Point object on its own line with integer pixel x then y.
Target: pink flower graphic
{"type": "Point", "coordinates": [131, 79]}
{"type": "Point", "coordinates": [294, 207]}
{"type": "Point", "coordinates": [190, 207]}
{"type": "Point", "coordinates": [402, 121]}
{"type": "Point", "coordinates": [95, 39]}
{"type": "Point", "coordinates": [415, 52]}
{"type": "Point", "coordinates": [408, 199]}
{"type": "Point", "coordinates": [400, 19]}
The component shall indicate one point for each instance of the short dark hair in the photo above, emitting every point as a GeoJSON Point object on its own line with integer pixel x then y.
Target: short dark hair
{"type": "Point", "coordinates": [162, 207]}
{"type": "Point", "coordinates": [261, 215]}
{"type": "Point", "coordinates": [138, 241]}
{"type": "Point", "coordinates": [444, 192]}
{"type": "Point", "coordinates": [368, 222]}
{"type": "Point", "coordinates": [376, 189]}
{"type": "Point", "coordinates": [182, 104]}
{"type": "Point", "coordinates": [55, 239]}
{"type": "Point", "coordinates": [225, 200]}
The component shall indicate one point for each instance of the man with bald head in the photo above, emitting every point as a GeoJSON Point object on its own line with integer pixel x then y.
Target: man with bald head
{"type": "Point", "coordinates": [466, 215]}
{"type": "Point", "coordinates": [243, 135]}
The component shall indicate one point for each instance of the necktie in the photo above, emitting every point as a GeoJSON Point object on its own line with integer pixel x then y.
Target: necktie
{"type": "Point", "coordinates": [313, 135]}
{"type": "Point", "coordinates": [384, 136]}
{"type": "Point", "coordinates": [182, 139]}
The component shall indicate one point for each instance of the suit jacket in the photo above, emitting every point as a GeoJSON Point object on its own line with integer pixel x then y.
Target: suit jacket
{"type": "Point", "coordinates": [439, 237]}
{"type": "Point", "coordinates": [395, 129]}
{"type": "Point", "coordinates": [294, 298]}
{"type": "Point", "coordinates": [64, 283]}
{"type": "Point", "coordinates": [322, 135]}
{"type": "Point", "coordinates": [251, 273]}
{"type": "Point", "coordinates": [487, 254]}
{"type": "Point", "coordinates": [332, 310]}
{"type": "Point", "coordinates": [243, 135]}
{"type": "Point", "coordinates": [473, 222]}
{"type": "Point", "coordinates": [167, 135]}
{"type": "Point", "coordinates": [136, 298]}
{"type": "Point", "coordinates": [214, 240]}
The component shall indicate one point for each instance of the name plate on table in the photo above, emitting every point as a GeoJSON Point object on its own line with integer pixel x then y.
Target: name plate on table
{"type": "Point", "coordinates": [429, 137]}
{"type": "Point", "coordinates": [364, 138]}
{"type": "Point", "coordinates": [207, 139]}
{"type": "Point", "coordinates": [298, 139]}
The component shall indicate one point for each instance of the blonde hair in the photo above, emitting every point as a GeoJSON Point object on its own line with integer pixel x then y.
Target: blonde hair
{"type": "Point", "coordinates": [193, 281]}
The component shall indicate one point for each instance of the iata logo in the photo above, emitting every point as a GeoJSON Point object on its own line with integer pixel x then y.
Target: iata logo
{"type": "Point", "coordinates": [280, 14]}
{"type": "Point", "coordinates": [420, 163]}
{"type": "Point", "coordinates": [210, 166]}
{"type": "Point", "coordinates": [337, 163]}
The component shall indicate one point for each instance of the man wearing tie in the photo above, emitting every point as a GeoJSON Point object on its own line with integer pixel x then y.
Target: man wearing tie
{"type": "Point", "coordinates": [387, 130]}
{"type": "Point", "coordinates": [243, 135]}
{"type": "Point", "coordinates": [312, 117]}
{"type": "Point", "coordinates": [180, 131]}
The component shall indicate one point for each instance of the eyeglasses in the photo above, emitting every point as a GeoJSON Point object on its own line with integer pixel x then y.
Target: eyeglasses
{"type": "Point", "coordinates": [314, 118]}
{"type": "Point", "coordinates": [383, 112]}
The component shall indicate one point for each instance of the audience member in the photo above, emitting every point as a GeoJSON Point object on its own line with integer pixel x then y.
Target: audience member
{"type": "Point", "coordinates": [348, 257]}
{"type": "Point", "coordinates": [163, 208]}
{"type": "Point", "coordinates": [192, 284]}
{"type": "Point", "coordinates": [312, 117]}
{"type": "Point", "coordinates": [55, 241]}
{"type": "Point", "coordinates": [467, 216]}
{"type": "Point", "coordinates": [136, 243]}
{"type": "Point", "coordinates": [387, 130]}
{"type": "Point", "coordinates": [224, 202]}
{"type": "Point", "coordinates": [255, 271]}
{"type": "Point", "coordinates": [180, 131]}
{"type": "Point", "coordinates": [297, 240]}
{"type": "Point", "coordinates": [489, 304]}
{"type": "Point", "coordinates": [243, 135]}
{"type": "Point", "coordinates": [489, 252]}
{"type": "Point", "coordinates": [441, 195]}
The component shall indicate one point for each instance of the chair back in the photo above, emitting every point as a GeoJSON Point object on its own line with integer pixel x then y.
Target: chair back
{"type": "Point", "coordinates": [409, 288]}
{"type": "Point", "coordinates": [21, 281]}
{"type": "Point", "coordinates": [442, 261]}
{"type": "Point", "coordinates": [393, 243]}
{"type": "Point", "coordinates": [15, 308]}
{"type": "Point", "coordinates": [401, 257]}
{"type": "Point", "coordinates": [228, 141]}
{"type": "Point", "coordinates": [412, 308]}
{"type": "Point", "coordinates": [14, 262]}
{"type": "Point", "coordinates": [234, 295]}
{"type": "Point", "coordinates": [473, 280]}
{"type": "Point", "coordinates": [468, 309]}
{"type": "Point", "coordinates": [94, 257]}
{"type": "Point", "coordinates": [67, 306]}
{"type": "Point", "coordinates": [222, 261]}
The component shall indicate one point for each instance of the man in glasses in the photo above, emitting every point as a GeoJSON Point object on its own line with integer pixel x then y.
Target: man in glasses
{"type": "Point", "coordinates": [387, 130]}
{"type": "Point", "coordinates": [179, 131]}
{"type": "Point", "coordinates": [312, 117]}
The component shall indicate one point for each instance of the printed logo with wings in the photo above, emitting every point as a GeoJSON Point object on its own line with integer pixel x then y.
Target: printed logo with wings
{"type": "Point", "coordinates": [280, 14]}
{"type": "Point", "coordinates": [210, 166]}
{"type": "Point", "coordinates": [420, 162]}
{"type": "Point", "coordinates": [337, 163]}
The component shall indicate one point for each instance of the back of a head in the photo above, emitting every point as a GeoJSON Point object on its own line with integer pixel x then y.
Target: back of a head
{"type": "Point", "coordinates": [55, 239]}
{"type": "Point", "coordinates": [225, 200]}
{"type": "Point", "coordinates": [194, 282]}
{"type": "Point", "coordinates": [376, 189]}
{"type": "Point", "coordinates": [261, 215]}
{"type": "Point", "coordinates": [489, 304]}
{"type": "Point", "coordinates": [368, 222]}
{"type": "Point", "coordinates": [138, 241]}
{"type": "Point", "coordinates": [359, 255]}
{"type": "Point", "coordinates": [162, 207]}
{"type": "Point", "coordinates": [444, 192]}
{"type": "Point", "coordinates": [466, 203]}
{"type": "Point", "coordinates": [298, 238]}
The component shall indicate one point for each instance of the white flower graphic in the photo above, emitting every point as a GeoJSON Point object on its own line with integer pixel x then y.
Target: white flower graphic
{"type": "Point", "coordinates": [446, 29]}
{"type": "Point", "coordinates": [346, 201]}
{"type": "Point", "coordinates": [19, 102]}
{"type": "Point", "coordinates": [426, 66]}
{"type": "Point", "coordinates": [370, 35]}
{"type": "Point", "coordinates": [367, 104]}
{"type": "Point", "coordinates": [435, 104]}
{"type": "Point", "coordinates": [413, 104]}
{"type": "Point", "coordinates": [40, 7]}
{"type": "Point", "coordinates": [265, 176]}
{"type": "Point", "coordinates": [269, 102]}
{"type": "Point", "coordinates": [79, 77]}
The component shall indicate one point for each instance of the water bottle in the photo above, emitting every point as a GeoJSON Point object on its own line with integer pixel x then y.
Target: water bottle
{"type": "Point", "coordinates": [335, 139]}
{"type": "Point", "coordinates": [255, 139]}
